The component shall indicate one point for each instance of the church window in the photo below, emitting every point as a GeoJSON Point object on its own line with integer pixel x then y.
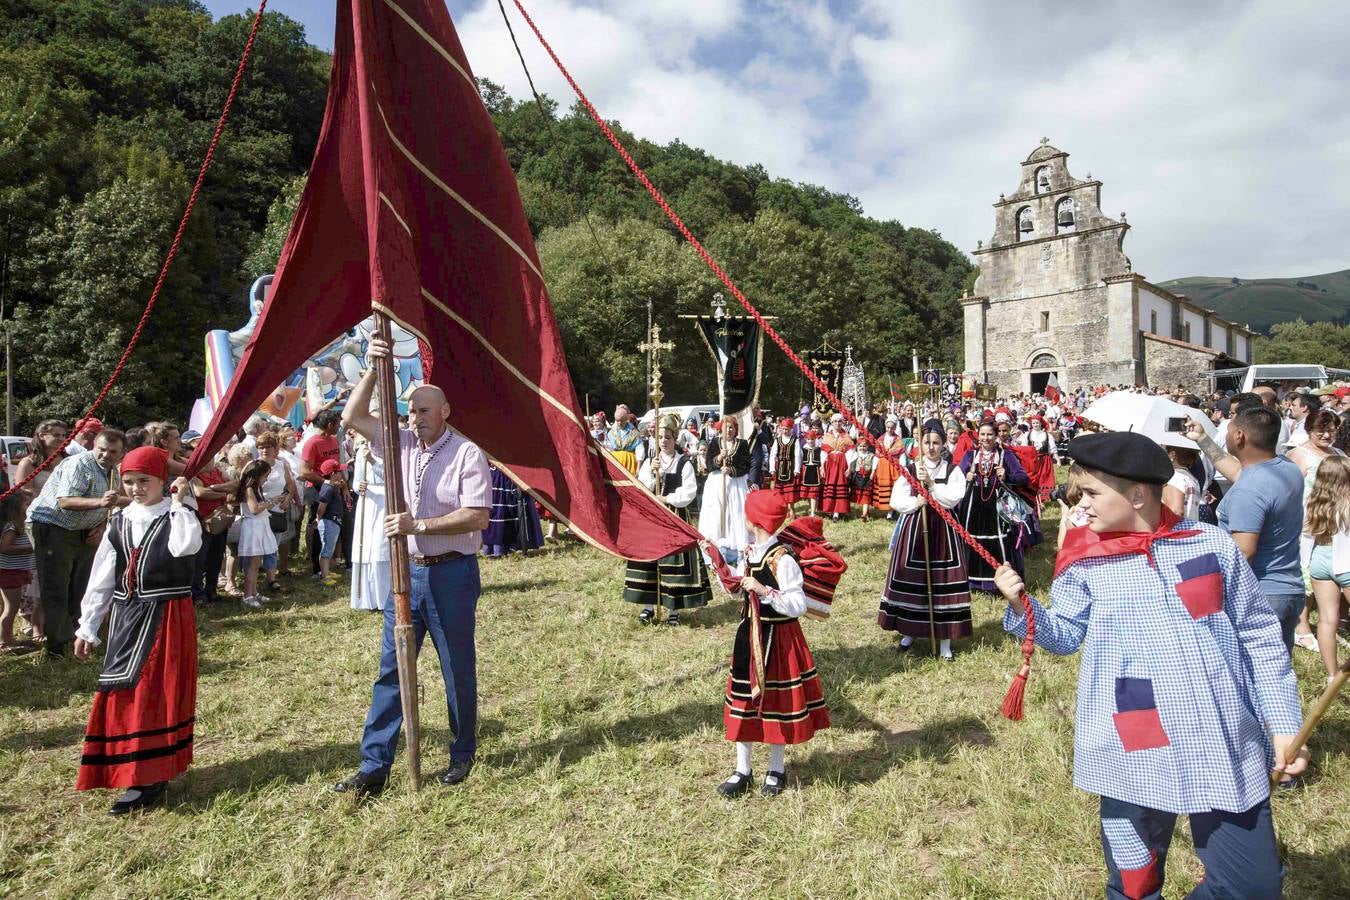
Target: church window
{"type": "Point", "coordinates": [1044, 361]}
{"type": "Point", "coordinates": [1153, 321]}
{"type": "Point", "coordinates": [1045, 320]}
{"type": "Point", "coordinates": [1065, 216]}
{"type": "Point", "coordinates": [1043, 179]}
{"type": "Point", "coordinates": [1026, 224]}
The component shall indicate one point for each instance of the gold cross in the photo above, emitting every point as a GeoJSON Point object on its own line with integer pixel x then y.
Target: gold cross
{"type": "Point", "coordinates": [654, 345]}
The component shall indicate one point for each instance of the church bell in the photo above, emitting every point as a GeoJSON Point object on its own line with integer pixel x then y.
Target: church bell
{"type": "Point", "coordinates": [1065, 217]}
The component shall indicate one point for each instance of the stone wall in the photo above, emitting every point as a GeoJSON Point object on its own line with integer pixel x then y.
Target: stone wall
{"type": "Point", "coordinates": [1168, 363]}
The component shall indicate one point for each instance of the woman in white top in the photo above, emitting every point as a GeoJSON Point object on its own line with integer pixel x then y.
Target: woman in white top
{"type": "Point", "coordinates": [1320, 427]}
{"type": "Point", "coordinates": [927, 588]}
{"type": "Point", "coordinates": [1182, 494]}
{"type": "Point", "coordinates": [279, 487]}
{"type": "Point", "coordinates": [370, 547]}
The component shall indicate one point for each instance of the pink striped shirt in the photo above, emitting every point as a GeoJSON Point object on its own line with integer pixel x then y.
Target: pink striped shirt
{"type": "Point", "coordinates": [451, 474]}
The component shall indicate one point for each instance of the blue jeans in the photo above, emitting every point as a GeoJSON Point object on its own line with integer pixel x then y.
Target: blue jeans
{"type": "Point", "coordinates": [1287, 608]}
{"type": "Point", "coordinates": [444, 603]}
{"type": "Point", "coordinates": [329, 531]}
{"type": "Point", "coordinates": [1237, 849]}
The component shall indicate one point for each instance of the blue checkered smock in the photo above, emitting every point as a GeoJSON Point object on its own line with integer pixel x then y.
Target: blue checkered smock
{"type": "Point", "coordinates": [1183, 671]}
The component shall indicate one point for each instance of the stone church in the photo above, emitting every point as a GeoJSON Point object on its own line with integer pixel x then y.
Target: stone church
{"type": "Point", "coordinates": [1056, 295]}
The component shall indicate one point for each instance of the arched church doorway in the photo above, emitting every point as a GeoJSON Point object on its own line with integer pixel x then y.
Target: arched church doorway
{"type": "Point", "coordinates": [1040, 368]}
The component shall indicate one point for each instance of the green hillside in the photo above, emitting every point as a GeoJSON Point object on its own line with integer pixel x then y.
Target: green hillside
{"type": "Point", "coordinates": [1263, 302]}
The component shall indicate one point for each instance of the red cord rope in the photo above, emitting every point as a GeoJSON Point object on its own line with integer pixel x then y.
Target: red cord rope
{"type": "Point", "coordinates": [60, 452]}
{"type": "Point", "coordinates": [1012, 704]}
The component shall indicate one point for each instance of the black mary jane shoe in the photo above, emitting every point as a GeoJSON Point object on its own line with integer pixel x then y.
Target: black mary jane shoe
{"type": "Point", "coordinates": [646, 617]}
{"type": "Point", "coordinates": [673, 618]}
{"type": "Point", "coordinates": [774, 782]}
{"type": "Point", "coordinates": [736, 785]}
{"type": "Point", "coordinates": [457, 772]}
{"type": "Point", "coordinates": [140, 797]}
{"type": "Point", "coordinates": [362, 785]}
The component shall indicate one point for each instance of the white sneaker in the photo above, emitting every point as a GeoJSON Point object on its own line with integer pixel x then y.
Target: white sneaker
{"type": "Point", "coordinates": [251, 602]}
{"type": "Point", "coordinates": [264, 599]}
{"type": "Point", "coordinates": [1306, 641]}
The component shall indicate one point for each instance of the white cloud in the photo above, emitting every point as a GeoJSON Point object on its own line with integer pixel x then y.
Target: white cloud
{"type": "Point", "coordinates": [1221, 128]}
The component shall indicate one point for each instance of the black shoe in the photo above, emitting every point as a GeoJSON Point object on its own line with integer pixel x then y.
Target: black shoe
{"type": "Point", "coordinates": [736, 785]}
{"type": "Point", "coordinates": [646, 617]}
{"type": "Point", "coordinates": [136, 798]}
{"type": "Point", "coordinates": [774, 783]}
{"type": "Point", "coordinates": [673, 619]}
{"type": "Point", "coordinates": [362, 785]}
{"type": "Point", "coordinates": [457, 772]}
{"type": "Point", "coordinates": [55, 649]}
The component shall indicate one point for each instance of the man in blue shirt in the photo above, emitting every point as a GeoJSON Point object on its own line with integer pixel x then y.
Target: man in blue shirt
{"type": "Point", "coordinates": [1264, 512]}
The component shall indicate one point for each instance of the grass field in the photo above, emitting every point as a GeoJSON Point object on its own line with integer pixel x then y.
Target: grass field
{"type": "Point", "coordinates": [601, 745]}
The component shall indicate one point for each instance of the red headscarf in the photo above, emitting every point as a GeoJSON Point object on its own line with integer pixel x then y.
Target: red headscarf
{"type": "Point", "coordinates": [766, 510]}
{"type": "Point", "coordinates": [147, 461]}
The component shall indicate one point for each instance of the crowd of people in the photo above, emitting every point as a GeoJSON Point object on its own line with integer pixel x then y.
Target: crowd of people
{"type": "Point", "coordinates": [1243, 509]}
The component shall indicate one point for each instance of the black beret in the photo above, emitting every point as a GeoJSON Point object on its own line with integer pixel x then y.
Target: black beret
{"type": "Point", "coordinates": [1124, 454]}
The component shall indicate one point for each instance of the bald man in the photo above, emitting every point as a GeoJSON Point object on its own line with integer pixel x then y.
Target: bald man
{"type": "Point", "coordinates": [448, 491]}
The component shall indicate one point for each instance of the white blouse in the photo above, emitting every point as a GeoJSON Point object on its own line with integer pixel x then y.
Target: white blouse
{"type": "Point", "coordinates": [950, 495]}
{"type": "Point", "coordinates": [789, 599]}
{"type": "Point", "coordinates": [185, 539]}
{"type": "Point", "coordinates": [688, 489]}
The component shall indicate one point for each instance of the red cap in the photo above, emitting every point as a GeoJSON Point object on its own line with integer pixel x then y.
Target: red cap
{"type": "Point", "coordinates": [766, 510]}
{"type": "Point", "coordinates": [148, 461]}
{"type": "Point", "coordinates": [328, 467]}
{"type": "Point", "coordinates": [785, 422]}
{"type": "Point", "coordinates": [88, 423]}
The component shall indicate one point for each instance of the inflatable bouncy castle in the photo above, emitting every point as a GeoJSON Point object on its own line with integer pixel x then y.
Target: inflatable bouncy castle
{"type": "Point", "coordinates": [325, 374]}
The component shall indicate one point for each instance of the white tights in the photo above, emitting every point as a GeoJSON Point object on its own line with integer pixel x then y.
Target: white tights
{"type": "Point", "coordinates": [777, 756]}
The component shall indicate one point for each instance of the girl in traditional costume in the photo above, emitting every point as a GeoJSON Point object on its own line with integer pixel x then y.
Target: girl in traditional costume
{"type": "Point", "coordinates": [785, 463]}
{"type": "Point", "coordinates": [835, 499]}
{"type": "Point", "coordinates": [513, 521]}
{"type": "Point", "coordinates": [927, 593]}
{"type": "Point", "coordinates": [140, 730]}
{"type": "Point", "coordinates": [990, 470]}
{"type": "Point", "coordinates": [808, 486]}
{"type": "Point", "coordinates": [721, 517]}
{"type": "Point", "coordinates": [370, 546]}
{"type": "Point", "coordinates": [887, 468]}
{"type": "Point", "coordinates": [678, 581]}
{"type": "Point", "coordinates": [773, 693]}
{"type": "Point", "coordinates": [861, 471]}
{"type": "Point", "coordinates": [1042, 474]}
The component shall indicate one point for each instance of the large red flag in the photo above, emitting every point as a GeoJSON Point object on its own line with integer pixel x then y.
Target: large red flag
{"type": "Point", "coordinates": [411, 207]}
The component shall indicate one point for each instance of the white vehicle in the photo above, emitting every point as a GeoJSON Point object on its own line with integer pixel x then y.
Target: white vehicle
{"type": "Point", "coordinates": [700, 412]}
{"type": "Point", "coordinates": [14, 449]}
{"type": "Point", "coordinates": [1279, 376]}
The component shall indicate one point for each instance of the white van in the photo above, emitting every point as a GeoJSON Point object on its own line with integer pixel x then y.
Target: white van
{"type": "Point", "coordinates": [1281, 376]}
{"type": "Point", "coordinates": [14, 448]}
{"type": "Point", "coordinates": [697, 411]}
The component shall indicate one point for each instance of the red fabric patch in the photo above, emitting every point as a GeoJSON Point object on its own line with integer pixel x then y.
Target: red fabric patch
{"type": "Point", "coordinates": [1141, 882]}
{"type": "Point", "coordinates": [1203, 596]}
{"type": "Point", "coordinates": [1140, 729]}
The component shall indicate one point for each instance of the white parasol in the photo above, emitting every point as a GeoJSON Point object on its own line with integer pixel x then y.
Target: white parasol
{"type": "Point", "coordinates": [1147, 415]}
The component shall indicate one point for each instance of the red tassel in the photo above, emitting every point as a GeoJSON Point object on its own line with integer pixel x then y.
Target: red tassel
{"type": "Point", "coordinates": [1012, 701]}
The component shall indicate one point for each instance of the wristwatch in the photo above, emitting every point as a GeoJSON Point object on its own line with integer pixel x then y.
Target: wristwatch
{"type": "Point", "coordinates": [420, 527]}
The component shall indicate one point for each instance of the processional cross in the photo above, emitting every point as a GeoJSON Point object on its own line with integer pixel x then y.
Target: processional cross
{"type": "Point", "coordinates": [654, 346]}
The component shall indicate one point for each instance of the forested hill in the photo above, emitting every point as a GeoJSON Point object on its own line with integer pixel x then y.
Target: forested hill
{"type": "Point", "coordinates": [106, 107]}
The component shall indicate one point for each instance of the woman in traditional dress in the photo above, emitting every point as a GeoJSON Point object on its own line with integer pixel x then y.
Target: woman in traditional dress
{"type": "Point", "coordinates": [624, 439]}
{"type": "Point", "coordinates": [887, 471]}
{"type": "Point", "coordinates": [861, 472]}
{"type": "Point", "coordinates": [927, 593]}
{"type": "Point", "coordinates": [513, 521]}
{"type": "Point", "coordinates": [679, 581]}
{"type": "Point", "coordinates": [990, 470]}
{"type": "Point", "coordinates": [370, 546]}
{"type": "Point", "coordinates": [785, 463]}
{"type": "Point", "coordinates": [1042, 475]}
{"type": "Point", "coordinates": [834, 491]}
{"type": "Point", "coordinates": [721, 517]}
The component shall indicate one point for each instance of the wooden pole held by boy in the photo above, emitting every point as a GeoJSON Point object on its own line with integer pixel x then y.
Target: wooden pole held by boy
{"type": "Point", "coordinates": [400, 578]}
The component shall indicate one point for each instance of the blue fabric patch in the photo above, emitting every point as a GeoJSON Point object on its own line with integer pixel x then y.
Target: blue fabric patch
{"type": "Point", "coordinates": [1134, 694]}
{"type": "Point", "coordinates": [1205, 564]}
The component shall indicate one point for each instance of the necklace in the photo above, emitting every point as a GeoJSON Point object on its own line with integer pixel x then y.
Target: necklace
{"type": "Point", "coordinates": [984, 467]}
{"type": "Point", "coordinates": [421, 462]}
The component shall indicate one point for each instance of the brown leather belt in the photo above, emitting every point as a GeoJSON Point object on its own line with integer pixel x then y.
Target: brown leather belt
{"type": "Point", "coordinates": [438, 558]}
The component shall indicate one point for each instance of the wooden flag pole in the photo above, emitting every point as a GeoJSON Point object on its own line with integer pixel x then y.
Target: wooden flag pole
{"type": "Point", "coordinates": [386, 388]}
{"type": "Point", "coordinates": [1314, 716]}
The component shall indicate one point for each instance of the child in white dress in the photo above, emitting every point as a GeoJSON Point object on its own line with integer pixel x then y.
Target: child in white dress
{"type": "Point", "coordinates": [256, 539]}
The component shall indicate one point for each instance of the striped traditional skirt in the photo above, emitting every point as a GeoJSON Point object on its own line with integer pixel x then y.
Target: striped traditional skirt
{"type": "Point", "coordinates": [792, 707]}
{"type": "Point", "coordinates": [513, 520]}
{"type": "Point", "coordinates": [142, 735]}
{"type": "Point", "coordinates": [913, 574]}
{"type": "Point", "coordinates": [808, 483]}
{"type": "Point", "coordinates": [883, 482]}
{"type": "Point", "coordinates": [979, 516]}
{"type": "Point", "coordinates": [678, 581]}
{"type": "Point", "coordinates": [835, 495]}
{"type": "Point", "coordinates": [790, 491]}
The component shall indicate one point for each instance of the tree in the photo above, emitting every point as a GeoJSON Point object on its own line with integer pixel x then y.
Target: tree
{"type": "Point", "coordinates": [1319, 343]}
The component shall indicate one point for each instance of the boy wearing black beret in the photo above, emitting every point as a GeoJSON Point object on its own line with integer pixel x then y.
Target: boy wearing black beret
{"type": "Point", "coordinates": [1183, 675]}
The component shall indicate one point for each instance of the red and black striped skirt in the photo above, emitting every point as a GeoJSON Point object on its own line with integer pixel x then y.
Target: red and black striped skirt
{"type": "Point", "coordinates": [792, 707]}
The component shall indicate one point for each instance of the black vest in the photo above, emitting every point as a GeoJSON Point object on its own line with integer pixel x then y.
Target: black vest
{"type": "Point", "coordinates": [785, 462]}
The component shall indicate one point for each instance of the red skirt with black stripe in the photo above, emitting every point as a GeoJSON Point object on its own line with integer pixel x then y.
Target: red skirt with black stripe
{"type": "Point", "coordinates": [143, 734]}
{"type": "Point", "coordinates": [835, 494]}
{"type": "Point", "coordinates": [792, 707]}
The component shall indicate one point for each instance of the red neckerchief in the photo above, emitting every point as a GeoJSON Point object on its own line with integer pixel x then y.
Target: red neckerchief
{"type": "Point", "coordinates": [1084, 543]}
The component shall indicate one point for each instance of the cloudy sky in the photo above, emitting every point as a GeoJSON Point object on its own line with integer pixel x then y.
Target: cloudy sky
{"type": "Point", "coordinates": [1220, 127]}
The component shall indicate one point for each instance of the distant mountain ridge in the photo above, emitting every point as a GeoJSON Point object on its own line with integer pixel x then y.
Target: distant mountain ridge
{"type": "Point", "coordinates": [1264, 302]}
